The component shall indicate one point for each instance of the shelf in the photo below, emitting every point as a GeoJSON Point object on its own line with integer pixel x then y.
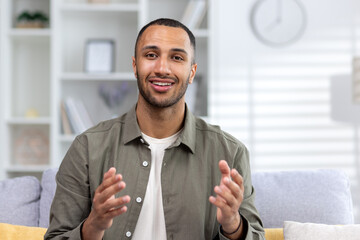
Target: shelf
{"type": "Point", "coordinates": [27, 168]}
{"type": "Point", "coordinates": [45, 32]}
{"type": "Point", "coordinates": [58, 72]}
{"type": "Point", "coordinates": [126, 76]}
{"type": "Point", "coordinates": [29, 121]}
{"type": "Point", "coordinates": [111, 7]}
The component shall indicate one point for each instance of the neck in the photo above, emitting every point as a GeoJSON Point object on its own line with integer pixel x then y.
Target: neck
{"type": "Point", "coordinates": [160, 122]}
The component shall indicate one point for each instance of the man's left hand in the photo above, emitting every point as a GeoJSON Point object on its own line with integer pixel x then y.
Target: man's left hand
{"type": "Point", "coordinates": [230, 194]}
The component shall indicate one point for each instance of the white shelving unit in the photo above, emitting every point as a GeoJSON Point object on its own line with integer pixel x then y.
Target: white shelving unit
{"type": "Point", "coordinates": [42, 67]}
{"type": "Point", "coordinates": [25, 76]}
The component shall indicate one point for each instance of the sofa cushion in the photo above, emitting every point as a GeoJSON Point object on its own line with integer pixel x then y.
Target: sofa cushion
{"type": "Point", "coordinates": [48, 185]}
{"type": "Point", "coordinates": [312, 231]}
{"type": "Point", "coordinates": [19, 201]}
{"type": "Point", "coordinates": [16, 232]}
{"type": "Point", "coordinates": [318, 196]}
{"type": "Point", "coordinates": [274, 234]}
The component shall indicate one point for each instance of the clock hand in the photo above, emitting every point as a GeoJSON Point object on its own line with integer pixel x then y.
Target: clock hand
{"type": "Point", "coordinates": [279, 10]}
{"type": "Point", "coordinates": [273, 24]}
{"type": "Point", "coordinates": [278, 18]}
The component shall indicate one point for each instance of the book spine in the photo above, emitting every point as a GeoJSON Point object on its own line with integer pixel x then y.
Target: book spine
{"type": "Point", "coordinates": [74, 116]}
{"type": "Point", "coordinates": [66, 126]}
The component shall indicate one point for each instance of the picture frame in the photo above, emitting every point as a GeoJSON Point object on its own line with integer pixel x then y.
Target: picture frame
{"type": "Point", "coordinates": [99, 56]}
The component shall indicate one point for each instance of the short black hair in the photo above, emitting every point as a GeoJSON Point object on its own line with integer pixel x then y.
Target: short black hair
{"type": "Point", "coordinates": [169, 23]}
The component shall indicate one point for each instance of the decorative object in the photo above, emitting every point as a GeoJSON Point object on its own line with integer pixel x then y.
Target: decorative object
{"type": "Point", "coordinates": [113, 96]}
{"type": "Point", "coordinates": [35, 19]}
{"type": "Point", "coordinates": [278, 23]}
{"type": "Point", "coordinates": [32, 113]}
{"type": "Point", "coordinates": [99, 56]}
{"type": "Point", "coordinates": [31, 147]}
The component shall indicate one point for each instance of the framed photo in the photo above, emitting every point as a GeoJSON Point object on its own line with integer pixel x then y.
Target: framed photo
{"type": "Point", "coordinates": [99, 56]}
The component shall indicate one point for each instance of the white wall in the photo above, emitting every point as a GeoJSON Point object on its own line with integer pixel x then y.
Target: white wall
{"type": "Point", "coordinates": [277, 100]}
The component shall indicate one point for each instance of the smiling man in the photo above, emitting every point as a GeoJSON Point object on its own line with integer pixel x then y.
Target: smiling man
{"type": "Point", "coordinates": [157, 172]}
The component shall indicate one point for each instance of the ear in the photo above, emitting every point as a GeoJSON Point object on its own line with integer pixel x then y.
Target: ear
{"type": "Point", "coordinates": [192, 73]}
{"type": "Point", "coordinates": [134, 66]}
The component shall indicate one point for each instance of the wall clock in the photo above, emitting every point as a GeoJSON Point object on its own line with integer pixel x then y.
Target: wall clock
{"type": "Point", "coordinates": [278, 23]}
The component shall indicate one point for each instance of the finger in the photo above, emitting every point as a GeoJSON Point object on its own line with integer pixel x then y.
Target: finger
{"type": "Point", "coordinates": [109, 181]}
{"type": "Point", "coordinates": [233, 187]}
{"type": "Point", "coordinates": [109, 173]}
{"type": "Point", "coordinates": [220, 203]}
{"type": "Point", "coordinates": [226, 195]}
{"type": "Point", "coordinates": [116, 203]}
{"type": "Point", "coordinates": [224, 168]}
{"type": "Point", "coordinates": [116, 212]}
{"type": "Point", "coordinates": [111, 191]}
{"type": "Point", "coordinates": [237, 178]}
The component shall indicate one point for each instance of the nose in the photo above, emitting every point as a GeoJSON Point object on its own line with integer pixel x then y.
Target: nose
{"type": "Point", "coordinates": [162, 66]}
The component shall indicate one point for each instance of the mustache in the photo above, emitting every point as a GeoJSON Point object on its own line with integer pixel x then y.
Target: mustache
{"type": "Point", "coordinates": [162, 77]}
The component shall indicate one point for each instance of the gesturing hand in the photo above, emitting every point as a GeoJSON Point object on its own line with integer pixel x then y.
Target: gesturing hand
{"type": "Point", "coordinates": [105, 205]}
{"type": "Point", "coordinates": [229, 196]}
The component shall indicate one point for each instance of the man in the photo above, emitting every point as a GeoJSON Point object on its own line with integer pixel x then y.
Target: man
{"type": "Point", "coordinates": [173, 183]}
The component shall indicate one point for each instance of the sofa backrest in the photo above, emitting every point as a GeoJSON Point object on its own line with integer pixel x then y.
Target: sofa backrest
{"type": "Point", "coordinates": [19, 201]}
{"type": "Point", "coordinates": [48, 185]}
{"type": "Point", "coordinates": [317, 196]}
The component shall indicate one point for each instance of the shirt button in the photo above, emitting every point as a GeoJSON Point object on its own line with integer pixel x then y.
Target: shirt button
{"type": "Point", "coordinates": [145, 163]}
{"type": "Point", "coordinates": [142, 140]}
{"type": "Point", "coordinates": [128, 234]}
{"type": "Point", "coordinates": [138, 199]}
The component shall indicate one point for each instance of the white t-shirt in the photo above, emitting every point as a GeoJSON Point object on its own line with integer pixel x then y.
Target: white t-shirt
{"type": "Point", "coordinates": [151, 222]}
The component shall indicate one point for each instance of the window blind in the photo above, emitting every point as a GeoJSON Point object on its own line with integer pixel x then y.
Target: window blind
{"type": "Point", "coordinates": [278, 102]}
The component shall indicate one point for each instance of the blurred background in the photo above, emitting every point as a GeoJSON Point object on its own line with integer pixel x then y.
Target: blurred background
{"type": "Point", "coordinates": [280, 75]}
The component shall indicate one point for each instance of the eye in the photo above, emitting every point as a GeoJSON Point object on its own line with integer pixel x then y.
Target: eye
{"type": "Point", "coordinates": [150, 55]}
{"type": "Point", "coordinates": [178, 58]}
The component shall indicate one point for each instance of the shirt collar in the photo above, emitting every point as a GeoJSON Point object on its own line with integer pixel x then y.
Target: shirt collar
{"type": "Point", "coordinates": [131, 126]}
{"type": "Point", "coordinates": [187, 137]}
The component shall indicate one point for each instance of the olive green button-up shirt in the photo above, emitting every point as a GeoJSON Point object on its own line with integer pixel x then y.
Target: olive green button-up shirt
{"type": "Point", "coordinates": [188, 176]}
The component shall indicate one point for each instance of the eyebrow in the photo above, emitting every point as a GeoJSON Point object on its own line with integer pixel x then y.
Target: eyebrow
{"type": "Point", "coordinates": [153, 47]}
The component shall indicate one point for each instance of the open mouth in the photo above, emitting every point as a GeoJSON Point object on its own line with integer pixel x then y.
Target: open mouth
{"type": "Point", "coordinates": [161, 85]}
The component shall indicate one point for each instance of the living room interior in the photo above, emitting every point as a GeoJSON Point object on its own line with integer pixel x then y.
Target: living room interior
{"type": "Point", "coordinates": [281, 76]}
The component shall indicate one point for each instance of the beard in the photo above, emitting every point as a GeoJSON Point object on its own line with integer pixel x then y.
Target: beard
{"type": "Point", "coordinates": [168, 102]}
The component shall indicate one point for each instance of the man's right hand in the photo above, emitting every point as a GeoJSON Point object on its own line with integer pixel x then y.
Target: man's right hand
{"type": "Point", "coordinates": [105, 206]}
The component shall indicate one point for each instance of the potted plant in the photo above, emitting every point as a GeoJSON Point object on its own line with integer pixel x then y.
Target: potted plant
{"type": "Point", "coordinates": [35, 19]}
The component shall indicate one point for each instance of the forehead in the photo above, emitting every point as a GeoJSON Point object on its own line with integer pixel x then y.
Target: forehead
{"type": "Point", "coordinates": [165, 37]}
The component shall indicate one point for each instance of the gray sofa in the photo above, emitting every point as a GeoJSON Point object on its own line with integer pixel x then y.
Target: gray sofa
{"type": "Point", "coordinates": [318, 196]}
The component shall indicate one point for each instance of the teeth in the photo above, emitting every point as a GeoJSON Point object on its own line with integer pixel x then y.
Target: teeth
{"type": "Point", "coordinates": [162, 83]}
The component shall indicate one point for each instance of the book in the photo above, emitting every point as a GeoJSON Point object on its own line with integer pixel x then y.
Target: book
{"type": "Point", "coordinates": [78, 116]}
{"type": "Point", "coordinates": [194, 13]}
{"type": "Point", "coordinates": [88, 122]}
{"type": "Point", "coordinates": [66, 127]}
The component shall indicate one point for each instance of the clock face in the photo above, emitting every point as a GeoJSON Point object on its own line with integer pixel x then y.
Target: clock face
{"type": "Point", "coordinates": [278, 22]}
